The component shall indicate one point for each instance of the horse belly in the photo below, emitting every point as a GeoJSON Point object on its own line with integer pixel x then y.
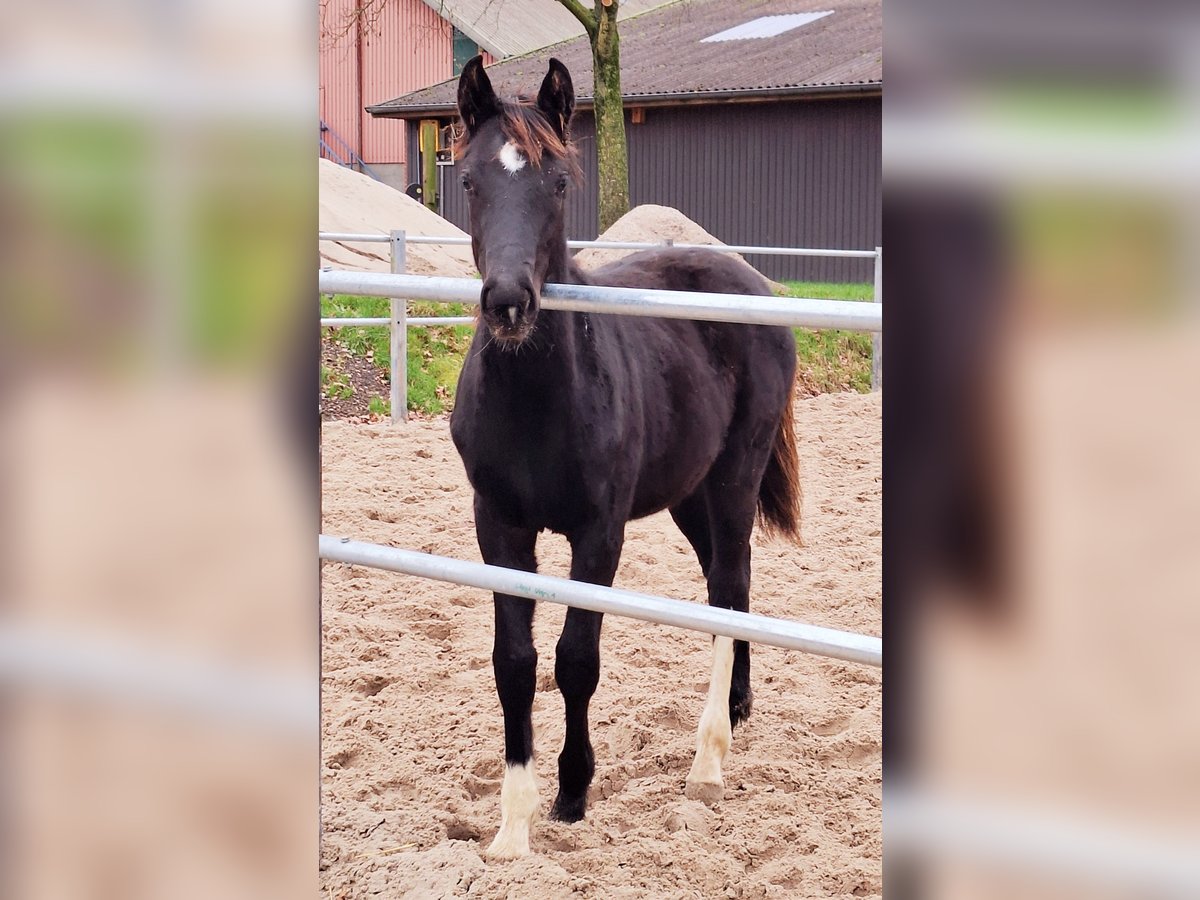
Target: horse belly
{"type": "Point", "coordinates": [679, 453]}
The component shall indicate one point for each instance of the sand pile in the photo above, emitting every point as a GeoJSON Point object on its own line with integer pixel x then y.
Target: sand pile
{"type": "Point", "coordinates": [648, 223]}
{"type": "Point", "coordinates": [412, 730]}
{"type": "Point", "coordinates": [351, 202]}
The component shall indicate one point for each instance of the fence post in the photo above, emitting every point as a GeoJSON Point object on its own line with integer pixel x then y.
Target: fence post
{"type": "Point", "coordinates": [399, 350]}
{"type": "Point", "coordinates": [877, 337]}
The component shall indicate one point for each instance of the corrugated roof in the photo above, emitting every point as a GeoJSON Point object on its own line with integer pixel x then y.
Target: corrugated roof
{"type": "Point", "coordinates": [513, 27]}
{"type": "Point", "coordinates": [663, 54]}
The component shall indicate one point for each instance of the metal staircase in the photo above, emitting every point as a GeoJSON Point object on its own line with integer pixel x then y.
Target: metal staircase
{"type": "Point", "coordinates": [346, 156]}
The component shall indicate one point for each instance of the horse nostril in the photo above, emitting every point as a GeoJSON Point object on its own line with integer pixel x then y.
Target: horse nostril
{"type": "Point", "coordinates": [505, 301]}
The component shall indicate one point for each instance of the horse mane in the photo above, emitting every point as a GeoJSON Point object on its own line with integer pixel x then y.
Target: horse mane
{"type": "Point", "coordinates": [528, 129]}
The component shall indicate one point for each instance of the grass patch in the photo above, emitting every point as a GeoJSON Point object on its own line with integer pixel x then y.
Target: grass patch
{"type": "Point", "coordinates": [335, 385]}
{"type": "Point", "coordinates": [829, 360]}
{"type": "Point", "coordinates": [832, 360]}
{"type": "Point", "coordinates": [435, 355]}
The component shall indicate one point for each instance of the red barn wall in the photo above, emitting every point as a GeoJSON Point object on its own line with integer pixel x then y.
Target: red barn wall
{"type": "Point", "coordinates": [405, 48]}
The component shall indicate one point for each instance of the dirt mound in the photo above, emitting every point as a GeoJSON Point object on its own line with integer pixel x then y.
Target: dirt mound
{"type": "Point", "coordinates": [352, 203]}
{"type": "Point", "coordinates": [647, 223]}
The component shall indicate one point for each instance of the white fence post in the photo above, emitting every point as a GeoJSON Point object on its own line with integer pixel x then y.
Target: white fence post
{"type": "Point", "coordinates": [877, 337]}
{"type": "Point", "coordinates": [399, 326]}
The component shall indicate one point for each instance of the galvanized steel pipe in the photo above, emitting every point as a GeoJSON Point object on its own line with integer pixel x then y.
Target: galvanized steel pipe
{"type": "Point", "coordinates": [749, 309]}
{"type": "Point", "coordinates": [678, 613]}
{"type": "Point", "coordinates": [355, 238]}
{"type": "Point", "coordinates": [429, 321]}
{"type": "Point", "coordinates": [618, 245]}
{"type": "Point", "coordinates": [356, 322]}
{"type": "Point", "coordinates": [91, 665]}
{"type": "Point", "coordinates": [352, 322]}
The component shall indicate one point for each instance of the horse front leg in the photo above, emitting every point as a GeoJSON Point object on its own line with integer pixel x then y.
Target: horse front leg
{"type": "Point", "coordinates": [514, 660]}
{"type": "Point", "coordinates": [594, 559]}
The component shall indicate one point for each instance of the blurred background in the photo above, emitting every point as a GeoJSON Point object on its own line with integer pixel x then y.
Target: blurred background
{"type": "Point", "coordinates": [158, 454]}
{"type": "Point", "coordinates": [1042, 502]}
{"type": "Point", "coordinates": [158, 614]}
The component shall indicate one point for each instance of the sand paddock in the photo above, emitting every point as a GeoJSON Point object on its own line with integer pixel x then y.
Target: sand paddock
{"type": "Point", "coordinates": [411, 726]}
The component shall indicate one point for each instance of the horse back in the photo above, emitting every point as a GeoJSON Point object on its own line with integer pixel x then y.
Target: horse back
{"type": "Point", "coordinates": [677, 269]}
{"type": "Point", "coordinates": [706, 371]}
{"type": "Point", "coordinates": [735, 351]}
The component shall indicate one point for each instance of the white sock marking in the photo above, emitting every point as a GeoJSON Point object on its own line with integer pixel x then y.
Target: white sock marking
{"type": "Point", "coordinates": [510, 157]}
{"type": "Point", "coordinates": [518, 803]}
{"type": "Point", "coordinates": [715, 734]}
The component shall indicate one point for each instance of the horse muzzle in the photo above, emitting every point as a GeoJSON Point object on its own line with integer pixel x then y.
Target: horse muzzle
{"type": "Point", "coordinates": [508, 308]}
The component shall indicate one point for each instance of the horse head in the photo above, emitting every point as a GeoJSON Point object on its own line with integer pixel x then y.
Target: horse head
{"type": "Point", "coordinates": [516, 164]}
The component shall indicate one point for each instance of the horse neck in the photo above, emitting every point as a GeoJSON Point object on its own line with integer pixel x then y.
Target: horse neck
{"type": "Point", "coordinates": [562, 269]}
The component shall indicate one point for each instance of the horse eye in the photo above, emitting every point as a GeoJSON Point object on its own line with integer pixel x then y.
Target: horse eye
{"type": "Point", "coordinates": [466, 182]}
{"type": "Point", "coordinates": [560, 187]}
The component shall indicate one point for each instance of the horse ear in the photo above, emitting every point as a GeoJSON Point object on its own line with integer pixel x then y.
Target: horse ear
{"type": "Point", "coordinates": [477, 102]}
{"type": "Point", "coordinates": [556, 99]}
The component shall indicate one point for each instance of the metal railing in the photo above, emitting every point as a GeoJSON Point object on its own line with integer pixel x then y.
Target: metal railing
{"type": "Point", "coordinates": [399, 288]}
{"type": "Point", "coordinates": [742, 626]}
{"type": "Point", "coordinates": [812, 313]}
{"type": "Point", "coordinates": [85, 664]}
{"type": "Point", "coordinates": [351, 160]}
{"type": "Point", "coordinates": [615, 245]}
{"type": "Point", "coordinates": [843, 645]}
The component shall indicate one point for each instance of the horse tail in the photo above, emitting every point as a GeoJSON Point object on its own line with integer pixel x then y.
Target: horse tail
{"type": "Point", "coordinates": [779, 495]}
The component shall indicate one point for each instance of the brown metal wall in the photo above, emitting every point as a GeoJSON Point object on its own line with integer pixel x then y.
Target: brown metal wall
{"type": "Point", "coordinates": [798, 174]}
{"type": "Point", "coordinates": [784, 174]}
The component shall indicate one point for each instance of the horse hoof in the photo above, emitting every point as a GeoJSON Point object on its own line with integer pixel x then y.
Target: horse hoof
{"type": "Point", "coordinates": [508, 846]}
{"type": "Point", "coordinates": [739, 709]}
{"type": "Point", "coordinates": [706, 792]}
{"type": "Point", "coordinates": [565, 810]}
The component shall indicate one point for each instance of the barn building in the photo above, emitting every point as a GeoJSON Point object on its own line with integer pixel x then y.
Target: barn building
{"type": "Point", "coordinates": [760, 121]}
{"type": "Point", "coordinates": [373, 50]}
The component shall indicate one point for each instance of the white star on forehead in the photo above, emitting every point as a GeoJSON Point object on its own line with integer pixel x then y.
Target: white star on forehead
{"type": "Point", "coordinates": [510, 157]}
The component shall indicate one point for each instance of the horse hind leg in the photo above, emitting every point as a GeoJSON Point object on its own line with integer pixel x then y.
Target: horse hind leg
{"type": "Point", "coordinates": [691, 516]}
{"type": "Point", "coordinates": [732, 503]}
{"type": "Point", "coordinates": [729, 697]}
{"type": "Point", "coordinates": [715, 734]}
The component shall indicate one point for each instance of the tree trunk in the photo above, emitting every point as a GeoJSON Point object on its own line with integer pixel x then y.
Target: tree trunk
{"type": "Point", "coordinates": [611, 151]}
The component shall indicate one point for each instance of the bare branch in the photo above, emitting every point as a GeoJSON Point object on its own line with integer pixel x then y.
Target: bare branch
{"type": "Point", "coordinates": [583, 14]}
{"type": "Point", "coordinates": [366, 13]}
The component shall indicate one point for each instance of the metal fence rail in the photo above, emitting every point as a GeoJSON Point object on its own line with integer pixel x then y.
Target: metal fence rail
{"type": "Point", "coordinates": [679, 613]}
{"type": "Point", "coordinates": [751, 310]}
{"type": "Point", "coordinates": [107, 668]}
{"type": "Point", "coordinates": [1071, 850]}
{"type": "Point", "coordinates": [615, 245]}
{"type": "Point", "coordinates": [426, 321]}
{"type": "Point", "coordinates": [807, 313]}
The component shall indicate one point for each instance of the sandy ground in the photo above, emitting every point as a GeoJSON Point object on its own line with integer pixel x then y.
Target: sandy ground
{"type": "Point", "coordinates": [412, 746]}
{"type": "Point", "coordinates": [352, 203]}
